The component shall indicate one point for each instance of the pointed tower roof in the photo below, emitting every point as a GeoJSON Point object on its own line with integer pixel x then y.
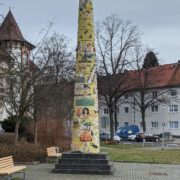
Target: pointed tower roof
{"type": "Point", "coordinates": [9, 30]}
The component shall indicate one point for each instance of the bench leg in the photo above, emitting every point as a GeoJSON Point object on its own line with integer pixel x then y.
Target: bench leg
{"type": "Point", "coordinates": [24, 174]}
{"type": "Point", "coordinates": [9, 177]}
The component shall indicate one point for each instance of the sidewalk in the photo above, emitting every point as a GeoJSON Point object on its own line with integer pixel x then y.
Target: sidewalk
{"type": "Point", "coordinates": [124, 171]}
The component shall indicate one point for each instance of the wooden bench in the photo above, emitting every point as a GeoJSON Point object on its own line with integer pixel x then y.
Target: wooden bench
{"type": "Point", "coordinates": [7, 167]}
{"type": "Point", "coordinates": [53, 152]}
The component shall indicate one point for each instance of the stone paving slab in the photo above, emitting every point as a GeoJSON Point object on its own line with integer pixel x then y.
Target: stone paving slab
{"type": "Point", "coordinates": [124, 171]}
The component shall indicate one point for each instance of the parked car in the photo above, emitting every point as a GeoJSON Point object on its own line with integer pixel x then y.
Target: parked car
{"type": "Point", "coordinates": [117, 138]}
{"type": "Point", "coordinates": [126, 131]}
{"type": "Point", "coordinates": [167, 136]}
{"type": "Point", "coordinates": [104, 136]}
{"type": "Point", "coordinates": [1, 129]}
{"type": "Point", "coordinates": [142, 137]}
{"type": "Point", "coordinates": [132, 137]}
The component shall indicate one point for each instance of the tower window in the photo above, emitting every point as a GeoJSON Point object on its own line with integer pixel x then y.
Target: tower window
{"type": "Point", "coordinates": [106, 111]}
{"type": "Point", "coordinates": [126, 110]}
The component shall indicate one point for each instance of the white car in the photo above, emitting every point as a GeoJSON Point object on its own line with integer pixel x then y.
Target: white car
{"type": "Point", "coordinates": [117, 138]}
{"type": "Point", "coordinates": [1, 129]}
{"type": "Point", "coordinates": [132, 137]}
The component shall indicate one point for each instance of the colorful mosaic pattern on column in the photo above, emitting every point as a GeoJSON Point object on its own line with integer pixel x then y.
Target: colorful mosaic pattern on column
{"type": "Point", "coordinates": [85, 128]}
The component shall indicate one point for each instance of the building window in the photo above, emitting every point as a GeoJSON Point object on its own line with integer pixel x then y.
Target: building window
{"type": "Point", "coordinates": [106, 111]}
{"type": "Point", "coordinates": [141, 124]}
{"type": "Point", "coordinates": [1, 110]}
{"type": "Point", "coordinates": [173, 124]}
{"type": "Point", "coordinates": [25, 58]}
{"type": "Point", "coordinates": [154, 124]}
{"type": "Point", "coordinates": [126, 96]}
{"type": "Point", "coordinates": [126, 123]}
{"type": "Point", "coordinates": [118, 110]}
{"type": "Point", "coordinates": [173, 92]}
{"type": "Point", "coordinates": [104, 122]}
{"type": "Point", "coordinates": [154, 109]}
{"type": "Point", "coordinates": [154, 94]}
{"type": "Point", "coordinates": [1, 90]}
{"type": "Point", "coordinates": [1, 82]}
{"type": "Point", "coordinates": [126, 110]}
{"type": "Point", "coordinates": [118, 124]}
{"type": "Point", "coordinates": [173, 108]}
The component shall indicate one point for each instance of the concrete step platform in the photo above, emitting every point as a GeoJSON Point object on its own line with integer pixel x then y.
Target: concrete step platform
{"type": "Point", "coordinates": [73, 171]}
{"type": "Point", "coordinates": [84, 155]}
{"type": "Point", "coordinates": [84, 166]}
{"type": "Point", "coordinates": [84, 163]}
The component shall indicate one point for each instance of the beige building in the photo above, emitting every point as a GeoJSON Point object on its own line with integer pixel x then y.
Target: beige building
{"type": "Point", "coordinates": [165, 78]}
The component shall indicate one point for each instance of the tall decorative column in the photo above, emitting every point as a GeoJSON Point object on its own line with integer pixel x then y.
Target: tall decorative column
{"type": "Point", "coordinates": [85, 157]}
{"type": "Point", "coordinates": [85, 126]}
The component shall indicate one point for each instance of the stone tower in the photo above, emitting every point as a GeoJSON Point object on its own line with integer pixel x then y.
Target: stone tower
{"type": "Point", "coordinates": [85, 127]}
{"type": "Point", "coordinates": [12, 40]}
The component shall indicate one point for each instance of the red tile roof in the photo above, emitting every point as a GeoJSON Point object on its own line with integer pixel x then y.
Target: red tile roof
{"type": "Point", "coordinates": [9, 30]}
{"type": "Point", "coordinates": [157, 77]}
{"type": "Point", "coordinates": [162, 76]}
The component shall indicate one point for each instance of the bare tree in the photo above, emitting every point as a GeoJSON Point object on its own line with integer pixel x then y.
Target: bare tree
{"type": "Point", "coordinates": [115, 39]}
{"type": "Point", "coordinates": [56, 104]}
{"type": "Point", "coordinates": [57, 50]}
{"type": "Point", "coordinates": [52, 95]}
{"type": "Point", "coordinates": [22, 76]}
{"type": "Point", "coordinates": [142, 94]}
{"type": "Point", "coordinates": [18, 94]}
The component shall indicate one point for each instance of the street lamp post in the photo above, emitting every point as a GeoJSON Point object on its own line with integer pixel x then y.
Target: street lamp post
{"type": "Point", "coordinates": [163, 124]}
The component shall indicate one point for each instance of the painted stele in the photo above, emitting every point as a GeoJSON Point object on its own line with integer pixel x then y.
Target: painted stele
{"type": "Point", "coordinates": [85, 126]}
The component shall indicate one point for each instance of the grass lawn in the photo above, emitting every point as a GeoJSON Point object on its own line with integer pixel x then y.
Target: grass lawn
{"type": "Point", "coordinates": [117, 153]}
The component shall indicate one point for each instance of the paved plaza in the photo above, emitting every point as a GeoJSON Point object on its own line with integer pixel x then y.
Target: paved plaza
{"type": "Point", "coordinates": [123, 171]}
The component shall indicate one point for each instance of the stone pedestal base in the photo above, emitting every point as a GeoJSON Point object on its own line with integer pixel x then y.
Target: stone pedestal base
{"type": "Point", "coordinates": [82, 163]}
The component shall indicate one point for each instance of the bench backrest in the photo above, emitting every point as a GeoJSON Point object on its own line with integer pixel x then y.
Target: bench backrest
{"type": "Point", "coordinates": [52, 151]}
{"type": "Point", "coordinates": [6, 162]}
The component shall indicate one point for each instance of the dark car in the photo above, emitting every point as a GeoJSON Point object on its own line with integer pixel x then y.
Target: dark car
{"type": "Point", "coordinates": [143, 137]}
{"type": "Point", "coordinates": [104, 136]}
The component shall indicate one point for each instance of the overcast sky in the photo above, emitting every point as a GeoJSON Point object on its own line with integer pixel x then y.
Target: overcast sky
{"type": "Point", "coordinates": [159, 20]}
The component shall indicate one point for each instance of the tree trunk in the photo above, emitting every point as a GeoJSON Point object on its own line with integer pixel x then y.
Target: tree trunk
{"type": "Point", "coordinates": [35, 132]}
{"type": "Point", "coordinates": [111, 123]}
{"type": "Point", "coordinates": [143, 120]}
{"type": "Point", "coordinates": [16, 133]}
{"type": "Point", "coordinates": [115, 117]}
